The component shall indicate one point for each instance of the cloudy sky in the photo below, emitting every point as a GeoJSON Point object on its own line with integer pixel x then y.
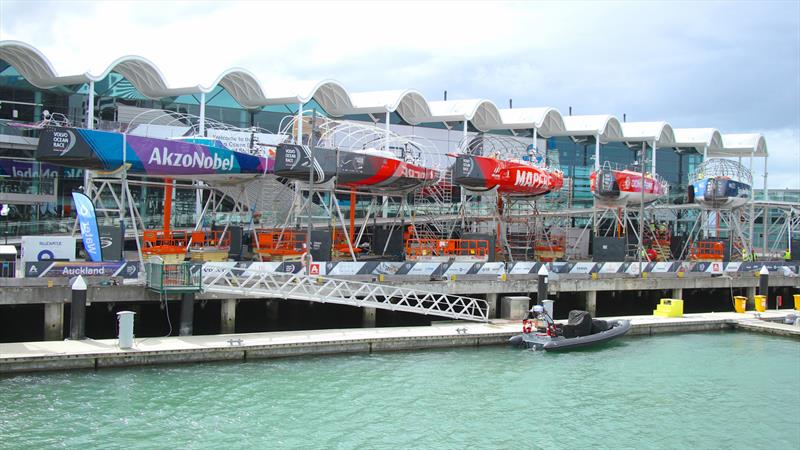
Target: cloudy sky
{"type": "Point", "coordinates": [734, 66]}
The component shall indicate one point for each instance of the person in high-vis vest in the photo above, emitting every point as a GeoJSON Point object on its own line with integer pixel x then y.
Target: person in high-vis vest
{"type": "Point", "coordinates": [787, 255]}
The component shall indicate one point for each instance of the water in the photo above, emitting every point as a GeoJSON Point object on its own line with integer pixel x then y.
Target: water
{"type": "Point", "coordinates": [715, 390]}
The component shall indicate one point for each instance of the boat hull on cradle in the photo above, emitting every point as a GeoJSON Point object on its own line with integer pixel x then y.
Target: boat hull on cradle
{"type": "Point", "coordinates": [352, 170]}
{"type": "Point", "coordinates": [521, 179]}
{"type": "Point", "coordinates": [618, 188]}
{"type": "Point", "coordinates": [721, 192]}
{"type": "Point", "coordinates": [103, 151]}
{"type": "Point", "coordinates": [539, 341]}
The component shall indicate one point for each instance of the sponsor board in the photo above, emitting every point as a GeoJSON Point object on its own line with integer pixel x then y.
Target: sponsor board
{"type": "Point", "coordinates": [387, 268]}
{"type": "Point", "coordinates": [524, 267]}
{"type": "Point", "coordinates": [611, 267]}
{"type": "Point", "coordinates": [260, 267]}
{"type": "Point", "coordinates": [346, 268]}
{"type": "Point", "coordinates": [216, 268]}
{"type": "Point", "coordinates": [492, 268]}
{"type": "Point", "coordinates": [44, 248]}
{"type": "Point", "coordinates": [559, 267]}
{"type": "Point", "coordinates": [732, 266]}
{"type": "Point", "coordinates": [458, 268]}
{"type": "Point", "coordinates": [662, 267]}
{"type": "Point", "coordinates": [68, 269]}
{"type": "Point", "coordinates": [715, 267]}
{"type": "Point", "coordinates": [425, 268]}
{"type": "Point", "coordinates": [583, 268]}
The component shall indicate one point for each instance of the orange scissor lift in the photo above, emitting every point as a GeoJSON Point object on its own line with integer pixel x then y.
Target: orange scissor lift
{"type": "Point", "coordinates": [707, 251]}
{"type": "Point", "coordinates": [172, 246]}
{"type": "Point", "coordinates": [447, 249]}
{"type": "Point", "coordinates": [275, 244]}
{"type": "Point", "coordinates": [548, 250]}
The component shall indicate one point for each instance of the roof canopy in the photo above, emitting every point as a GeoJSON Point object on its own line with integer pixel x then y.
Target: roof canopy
{"type": "Point", "coordinates": [546, 121]}
{"type": "Point", "coordinates": [698, 139]}
{"type": "Point", "coordinates": [752, 144]}
{"type": "Point", "coordinates": [412, 106]}
{"type": "Point", "coordinates": [658, 132]}
{"type": "Point", "coordinates": [483, 114]}
{"type": "Point", "coordinates": [409, 104]}
{"type": "Point", "coordinates": [607, 127]}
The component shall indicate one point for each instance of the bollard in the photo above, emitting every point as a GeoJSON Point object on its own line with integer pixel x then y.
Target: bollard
{"type": "Point", "coordinates": [763, 283]}
{"type": "Point", "coordinates": [125, 335]}
{"type": "Point", "coordinates": [77, 313]}
{"type": "Point", "coordinates": [541, 293]}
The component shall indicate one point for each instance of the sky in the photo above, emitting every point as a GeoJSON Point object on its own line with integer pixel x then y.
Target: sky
{"type": "Point", "coordinates": [734, 66]}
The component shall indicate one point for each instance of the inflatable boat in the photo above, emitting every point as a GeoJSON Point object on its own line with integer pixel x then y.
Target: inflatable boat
{"type": "Point", "coordinates": [579, 331]}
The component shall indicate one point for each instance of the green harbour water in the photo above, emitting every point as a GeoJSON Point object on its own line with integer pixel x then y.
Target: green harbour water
{"type": "Point", "coordinates": [705, 390]}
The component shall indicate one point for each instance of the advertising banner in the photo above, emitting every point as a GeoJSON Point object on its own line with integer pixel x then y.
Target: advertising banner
{"type": "Point", "coordinates": [88, 223]}
{"type": "Point", "coordinates": [46, 248]}
{"type": "Point", "coordinates": [47, 269]}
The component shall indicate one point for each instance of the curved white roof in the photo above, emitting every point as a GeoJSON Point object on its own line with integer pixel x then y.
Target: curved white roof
{"type": "Point", "coordinates": [546, 120]}
{"type": "Point", "coordinates": [150, 82]}
{"type": "Point", "coordinates": [34, 66]}
{"type": "Point", "coordinates": [661, 132]}
{"type": "Point", "coordinates": [698, 139]}
{"type": "Point", "coordinates": [606, 126]}
{"type": "Point", "coordinates": [246, 89]}
{"type": "Point", "coordinates": [409, 104]}
{"type": "Point", "coordinates": [483, 114]}
{"type": "Point", "coordinates": [742, 145]}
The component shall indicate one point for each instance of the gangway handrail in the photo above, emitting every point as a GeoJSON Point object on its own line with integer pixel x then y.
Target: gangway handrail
{"type": "Point", "coordinates": [247, 282]}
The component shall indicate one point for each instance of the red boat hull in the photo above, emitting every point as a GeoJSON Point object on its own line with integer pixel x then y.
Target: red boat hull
{"type": "Point", "coordinates": [624, 187]}
{"type": "Point", "coordinates": [352, 170]}
{"type": "Point", "coordinates": [515, 178]}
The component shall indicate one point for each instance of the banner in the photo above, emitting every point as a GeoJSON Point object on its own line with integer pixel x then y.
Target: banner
{"type": "Point", "coordinates": [43, 248]}
{"type": "Point", "coordinates": [88, 222]}
{"type": "Point", "coordinates": [50, 269]}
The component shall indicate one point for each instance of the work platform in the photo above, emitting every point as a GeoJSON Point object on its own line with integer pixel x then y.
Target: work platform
{"type": "Point", "coordinates": [97, 354]}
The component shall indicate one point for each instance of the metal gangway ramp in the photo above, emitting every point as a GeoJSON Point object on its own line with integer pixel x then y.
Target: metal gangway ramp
{"type": "Point", "coordinates": [262, 284]}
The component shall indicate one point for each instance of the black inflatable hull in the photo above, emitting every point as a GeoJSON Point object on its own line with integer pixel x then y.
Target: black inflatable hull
{"type": "Point", "coordinates": [543, 342]}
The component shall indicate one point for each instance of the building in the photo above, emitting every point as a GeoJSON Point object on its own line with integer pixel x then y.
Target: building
{"type": "Point", "coordinates": [31, 91]}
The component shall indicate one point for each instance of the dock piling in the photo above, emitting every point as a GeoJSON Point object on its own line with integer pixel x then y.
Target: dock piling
{"type": "Point", "coordinates": [187, 314]}
{"type": "Point", "coordinates": [228, 316]}
{"type": "Point", "coordinates": [53, 321]}
{"type": "Point", "coordinates": [368, 317]}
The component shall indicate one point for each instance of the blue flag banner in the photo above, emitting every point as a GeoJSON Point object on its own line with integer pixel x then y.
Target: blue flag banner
{"type": "Point", "coordinates": [88, 222]}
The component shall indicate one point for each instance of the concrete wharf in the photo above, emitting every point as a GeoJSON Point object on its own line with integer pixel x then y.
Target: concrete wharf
{"type": "Point", "coordinates": [97, 354]}
{"type": "Point", "coordinates": [54, 293]}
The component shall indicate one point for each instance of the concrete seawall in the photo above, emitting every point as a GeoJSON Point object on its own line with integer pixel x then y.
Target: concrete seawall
{"type": "Point", "coordinates": [97, 354]}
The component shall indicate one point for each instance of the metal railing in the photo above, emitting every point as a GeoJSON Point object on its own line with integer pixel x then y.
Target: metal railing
{"type": "Point", "coordinates": [174, 278]}
{"type": "Point", "coordinates": [262, 284]}
{"type": "Point", "coordinates": [31, 186]}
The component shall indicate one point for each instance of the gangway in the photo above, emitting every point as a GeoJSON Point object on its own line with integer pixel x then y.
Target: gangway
{"type": "Point", "coordinates": [263, 284]}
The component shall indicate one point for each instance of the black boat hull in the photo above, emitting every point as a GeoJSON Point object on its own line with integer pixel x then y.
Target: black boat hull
{"type": "Point", "coordinates": [361, 171]}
